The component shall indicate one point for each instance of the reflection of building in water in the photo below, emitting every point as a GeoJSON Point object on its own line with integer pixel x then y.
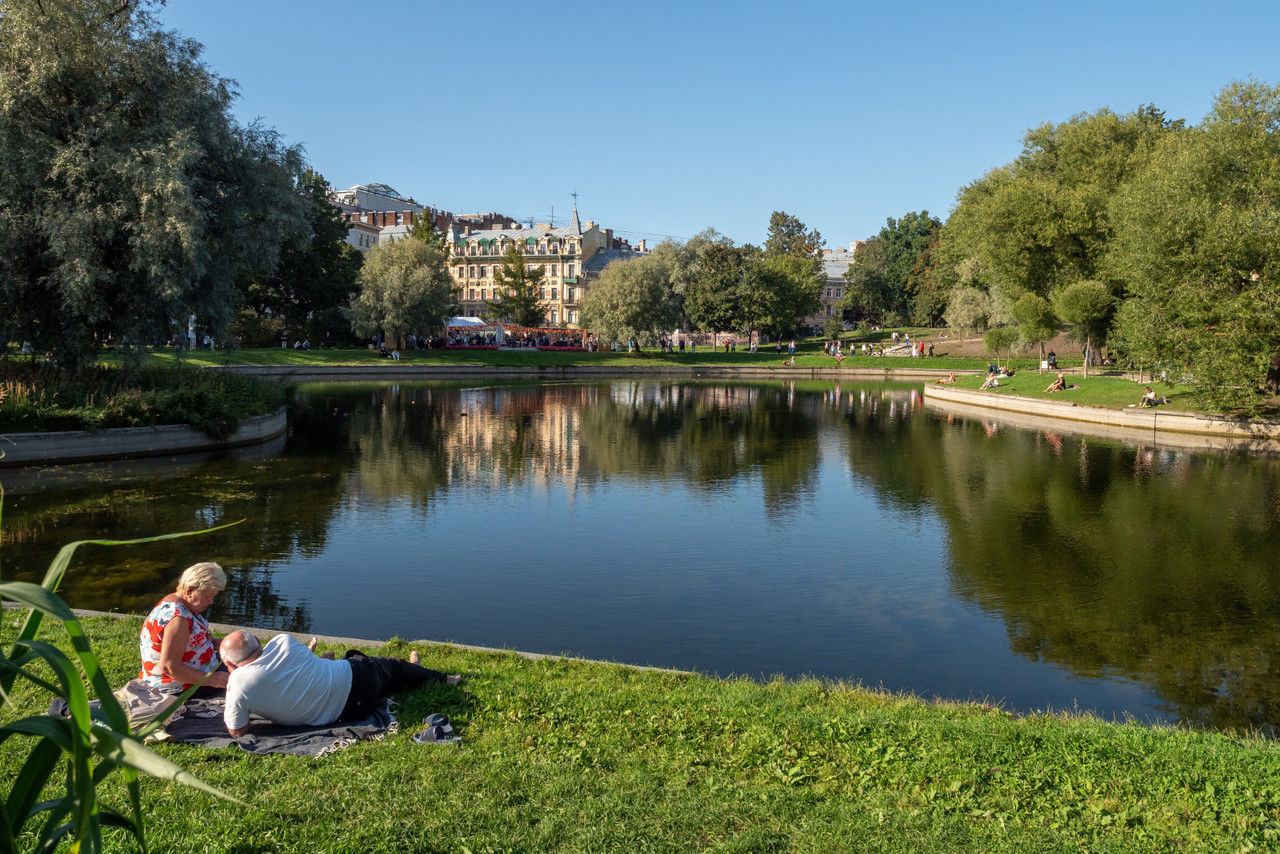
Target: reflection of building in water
{"type": "Point", "coordinates": [508, 434]}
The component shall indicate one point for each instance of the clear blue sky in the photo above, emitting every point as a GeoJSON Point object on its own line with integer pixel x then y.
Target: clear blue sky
{"type": "Point", "coordinates": [670, 117]}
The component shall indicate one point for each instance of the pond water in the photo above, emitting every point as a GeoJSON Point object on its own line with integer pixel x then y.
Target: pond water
{"type": "Point", "coordinates": [841, 530]}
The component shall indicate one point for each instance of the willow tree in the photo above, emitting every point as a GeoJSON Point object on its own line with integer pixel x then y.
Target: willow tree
{"type": "Point", "coordinates": [404, 287]}
{"type": "Point", "coordinates": [130, 199]}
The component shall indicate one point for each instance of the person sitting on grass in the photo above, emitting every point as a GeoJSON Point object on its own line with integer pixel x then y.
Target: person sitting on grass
{"type": "Point", "coordinates": [1059, 384]}
{"type": "Point", "coordinates": [1149, 398]}
{"type": "Point", "coordinates": [993, 381]}
{"type": "Point", "coordinates": [288, 683]}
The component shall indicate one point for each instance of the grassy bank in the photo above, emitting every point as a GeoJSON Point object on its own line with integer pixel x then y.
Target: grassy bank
{"type": "Point", "coordinates": [1112, 392]}
{"type": "Point", "coordinates": [808, 355]}
{"type": "Point", "coordinates": [564, 756]}
{"type": "Point", "coordinates": [37, 397]}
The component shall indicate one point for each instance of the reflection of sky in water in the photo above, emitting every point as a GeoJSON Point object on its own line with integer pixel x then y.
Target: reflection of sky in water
{"type": "Point", "coordinates": [734, 529]}
{"type": "Point", "coordinates": [843, 585]}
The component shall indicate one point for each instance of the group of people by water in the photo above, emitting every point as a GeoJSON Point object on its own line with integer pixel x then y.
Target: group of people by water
{"type": "Point", "coordinates": [282, 680]}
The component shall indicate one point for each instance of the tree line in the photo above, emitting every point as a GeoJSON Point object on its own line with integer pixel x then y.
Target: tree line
{"type": "Point", "coordinates": [132, 201]}
{"type": "Point", "coordinates": [710, 283]}
{"type": "Point", "coordinates": [1149, 236]}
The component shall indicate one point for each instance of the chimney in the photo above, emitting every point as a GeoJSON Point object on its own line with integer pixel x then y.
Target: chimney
{"type": "Point", "coordinates": [497, 226]}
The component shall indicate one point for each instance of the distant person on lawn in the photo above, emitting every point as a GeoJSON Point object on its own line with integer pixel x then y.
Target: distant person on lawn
{"type": "Point", "coordinates": [288, 683]}
{"type": "Point", "coordinates": [1149, 398]}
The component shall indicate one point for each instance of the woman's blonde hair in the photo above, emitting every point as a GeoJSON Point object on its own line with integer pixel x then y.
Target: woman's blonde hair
{"type": "Point", "coordinates": [203, 576]}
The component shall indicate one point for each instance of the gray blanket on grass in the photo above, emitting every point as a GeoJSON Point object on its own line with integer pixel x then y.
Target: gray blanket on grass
{"type": "Point", "coordinates": [201, 724]}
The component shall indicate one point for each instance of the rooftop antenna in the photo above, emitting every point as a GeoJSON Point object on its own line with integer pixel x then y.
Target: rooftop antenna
{"type": "Point", "coordinates": [553, 216]}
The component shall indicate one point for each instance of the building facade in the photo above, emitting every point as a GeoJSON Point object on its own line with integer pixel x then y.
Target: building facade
{"type": "Point", "coordinates": [563, 253]}
{"type": "Point", "coordinates": [835, 263]}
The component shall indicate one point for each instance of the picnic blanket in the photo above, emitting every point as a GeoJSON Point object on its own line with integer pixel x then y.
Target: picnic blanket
{"type": "Point", "coordinates": [200, 723]}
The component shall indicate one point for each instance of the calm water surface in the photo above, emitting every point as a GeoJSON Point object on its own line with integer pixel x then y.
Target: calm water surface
{"type": "Point", "coordinates": [838, 530]}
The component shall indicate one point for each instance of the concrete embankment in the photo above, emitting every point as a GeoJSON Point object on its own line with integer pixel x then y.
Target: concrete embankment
{"type": "Point", "coordinates": [403, 373]}
{"type": "Point", "coordinates": [67, 446]}
{"type": "Point", "coordinates": [1145, 426]}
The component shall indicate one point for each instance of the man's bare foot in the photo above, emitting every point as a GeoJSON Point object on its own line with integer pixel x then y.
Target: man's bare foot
{"type": "Point", "coordinates": [413, 657]}
{"type": "Point", "coordinates": [311, 645]}
{"type": "Point", "coordinates": [453, 679]}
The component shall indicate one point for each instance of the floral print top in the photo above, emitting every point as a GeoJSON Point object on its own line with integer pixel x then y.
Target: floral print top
{"type": "Point", "coordinates": [201, 651]}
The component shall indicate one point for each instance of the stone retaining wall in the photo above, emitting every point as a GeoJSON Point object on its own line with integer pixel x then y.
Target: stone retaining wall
{"type": "Point", "coordinates": [1186, 429]}
{"type": "Point", "coordinates": [22, 449]}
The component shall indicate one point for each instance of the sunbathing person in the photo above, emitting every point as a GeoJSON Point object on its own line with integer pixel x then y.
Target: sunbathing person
{"type": "Point", "coordinates": [950, 378]}
{"type": "Point", "coordinates": [1060, 384]}
{"type": "Point", "coordinates": [1149, 398]}
{"type": "Point", "coordinates": [287, 683]}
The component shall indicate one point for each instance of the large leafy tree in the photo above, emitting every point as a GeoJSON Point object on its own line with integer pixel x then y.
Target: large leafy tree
{"type": "Point", "coordinates": [316, 275]}
{"type": "Point", "coordinates": [779, 291]}
{"type": "Point", "coordinates": [893, 271]}
{"type": "Point", "coordinates": [517, 290]}
{"type": "Point", "coordinates": [404, 287]}
{"type": "Point", "coordinates": [130, 199]}
{"type": "Point", "coordinates": [1087, 305]}
{"type": "Point", "coordinates": [633, 299]}
{"type": "Point", "coordinates": [1043, 221]}
{"type": "Point", "coordinates": [1198, 246]}
{"type": "Point", "coordinates": [789, 236]}
{"type": "Point", "coordinates": [713, 300]}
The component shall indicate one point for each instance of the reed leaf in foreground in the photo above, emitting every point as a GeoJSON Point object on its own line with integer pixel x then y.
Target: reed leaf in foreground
{"type": "Point", "coordinates": [92, 749]}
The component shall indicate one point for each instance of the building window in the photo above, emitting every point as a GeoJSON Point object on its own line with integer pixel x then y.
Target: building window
{"type": "Point", "coordinates": [555, 247]}
{"type": "Point", "coordinates": [554, 268]}
{"type": "Point", "coordinates": [459, 272]}
{"type": "Point", "coordinates": [553, 293]}
{"type": "Point", "coordinates": [573, 317]}
{"type": "Point", "coordinates": [568, 270]}
{"type": "Point", "coordinates": [569, 294]}
{"type": "Point", "coordinates": [542, 249]}
{"type": "Point", "coordinates": [471, 271]}
{"type": "Point", "coordinates": [471, 293]}
{"type": "Point", "coordinates": [571, 246]}
{"type": "Point", "coordinates": [484, 271]}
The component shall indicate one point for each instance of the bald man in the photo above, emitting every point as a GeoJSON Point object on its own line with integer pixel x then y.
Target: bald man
{"type": "Point", "coordinates": [288, 683]}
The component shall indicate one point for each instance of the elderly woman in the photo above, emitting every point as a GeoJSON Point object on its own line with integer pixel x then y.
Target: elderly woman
{"type": "Point", "coordinates": [176, 644]}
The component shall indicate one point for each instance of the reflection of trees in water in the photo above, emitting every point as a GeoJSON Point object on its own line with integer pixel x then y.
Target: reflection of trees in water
{"type": "Point", "coordinates": [287, 504]}
{"type": "Point", "coordinates": [1154, 565]}
{"type": "Point", "coordinates": [703, 436]}
{"type": "Point", "coordinates": [404, 443]}
{"type": "Point", "coordinates": [414, 442]}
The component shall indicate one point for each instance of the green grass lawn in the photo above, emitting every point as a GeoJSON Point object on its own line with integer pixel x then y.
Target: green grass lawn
{"type": "Point", "coordinates": [1113, 392]}
{"type": "Point", "coordinates": [569, 756]}
{"type": "Point", "coordinates": [808, 355]}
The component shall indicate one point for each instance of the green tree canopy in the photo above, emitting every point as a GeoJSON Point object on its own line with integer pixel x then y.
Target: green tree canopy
{"type": "Point", "coordinates": [130, 198]}
{"type": "Point", "coordinates": [404, 287]}
{"type": "Point", "coordinates": [1198, 244]}
{"type": "Point", "coordinates": [1035, 318]}
{"type": "Point", "coordinates": [633, 298]}
{"type": "Point", "coordinates": [517, 290]}
{"type": "Point", "coordinates": [789, 236]}
{"type": "Point", "coordinates": [316, 275]}
{"type": "Point", "coordinates": [714, 299]}
{"type": "Point", "coordinates": [1089, 306]}
{"type": "Point", "coordinates": [1043, 221]}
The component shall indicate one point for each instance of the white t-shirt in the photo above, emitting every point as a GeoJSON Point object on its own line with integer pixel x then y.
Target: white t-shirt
{"type": "Point", "coordinates": [288, 684]}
